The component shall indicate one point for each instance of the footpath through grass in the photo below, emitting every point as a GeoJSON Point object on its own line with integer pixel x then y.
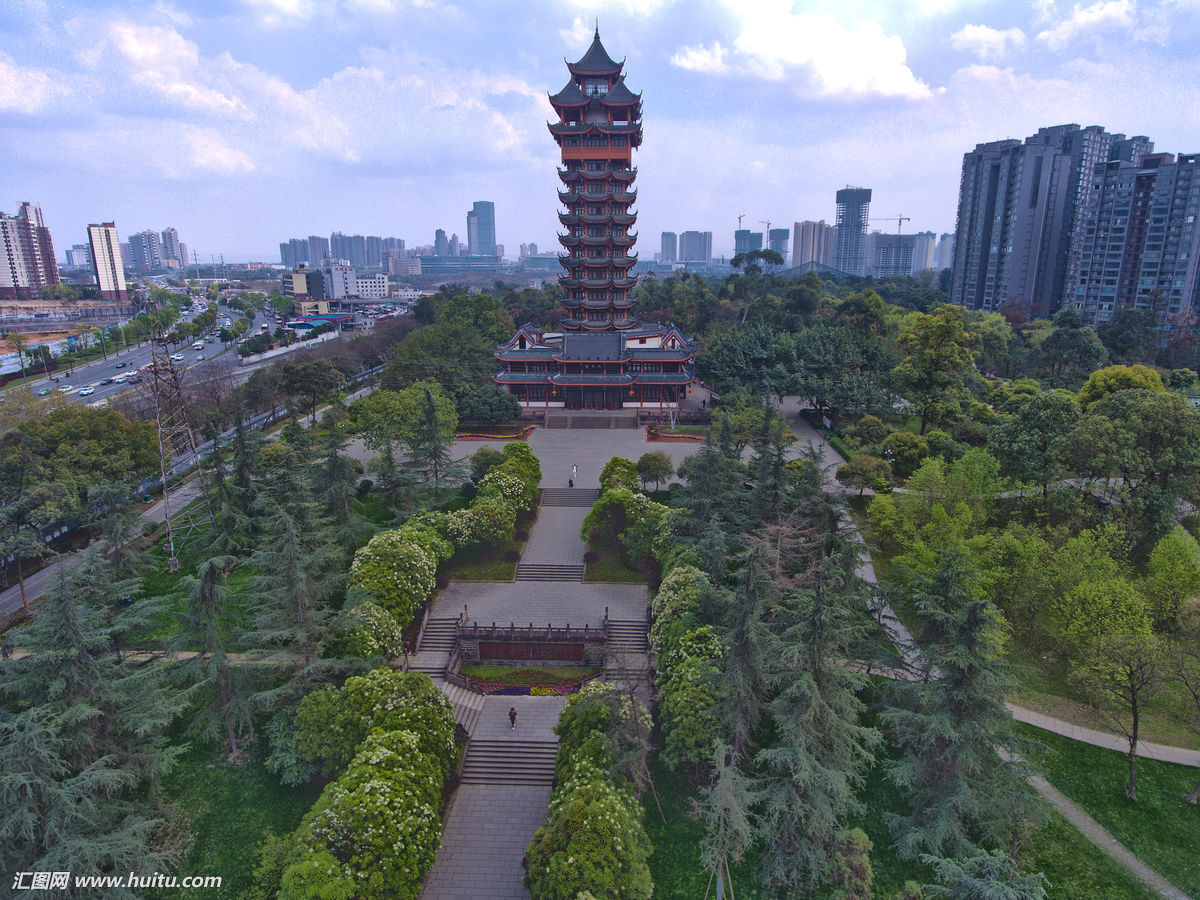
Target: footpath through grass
{"type": "Point", "coordinates": [1075, 867]}
{"type": "Point", "coordinates": [1160, 828]}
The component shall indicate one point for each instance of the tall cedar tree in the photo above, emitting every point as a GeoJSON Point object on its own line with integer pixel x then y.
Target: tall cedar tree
{"type": "Point", "coordinates": [714, 484]}
{"type": "Point", "coordinates": [332, 478]}
{"type": "Point", "coordinates": [302, 575]}
{"type": "Point", "coordinates": [951, 722]}
{"type": "Point", "coordinates": [245, 468]}
{"type": "Point", "coordinates": [741, 685]}
{"type": "Point", "coordinates": [810, 772]}
{"type": "Point", "coordinates": [769, 498]}
{"type": "Point", "coordinates": [218, 690]}
{"type": "Point", "coordinates": [81, 758]}
{"type": "Point", "coordinates": [229, 534]}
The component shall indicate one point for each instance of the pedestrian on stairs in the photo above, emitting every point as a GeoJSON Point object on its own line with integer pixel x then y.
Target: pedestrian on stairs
{"type": "Point", "coordinates": [513, 718]}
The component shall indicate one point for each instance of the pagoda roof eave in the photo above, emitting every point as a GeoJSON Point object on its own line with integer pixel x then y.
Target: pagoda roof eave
{"type": "Point", "coordinates": [595, 61]}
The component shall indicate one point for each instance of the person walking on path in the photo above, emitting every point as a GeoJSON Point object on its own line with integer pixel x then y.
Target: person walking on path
{"type": "Point", "coordinates": [574, 471]}
{"type": "Point", "coordinates": [513, 718]}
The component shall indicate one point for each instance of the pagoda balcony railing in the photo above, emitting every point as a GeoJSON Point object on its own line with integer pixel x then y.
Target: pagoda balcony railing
{"type": "Point", "coordinates": [618, 174]}
{"type": "Point", "coordinates": [616, 240]}
{"type": "Point", "coordinates": [611, 302]}
{"type": "Point", "coordinates": [609, 193]}
{"type": "Point", "coordinates": [617, 262]}
{"type": "Point", "coordinates": [613, 218]}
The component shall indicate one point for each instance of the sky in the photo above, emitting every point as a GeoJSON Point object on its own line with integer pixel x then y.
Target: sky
{"type": "Point", "coordinates": [246, 122]}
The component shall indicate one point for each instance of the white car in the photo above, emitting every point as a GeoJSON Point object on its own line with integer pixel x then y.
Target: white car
{"type": "Point", "coordinates": [176, 357]}
{"type": "Point", "coordinates": [87, 391]}
{"type": "Point", "coordinates": [66, 388]}
{"type": "Point", "coordinates": [120, 379]}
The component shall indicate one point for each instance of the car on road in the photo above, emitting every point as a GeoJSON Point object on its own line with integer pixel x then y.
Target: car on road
{"type": "Point", "coordinates": [200, 357]}
{"type": "Point", "coordinates": [108, 380]}
{"type": "Point", "coordinates": [120, 365]}
{"type": "Point", "coordinates": [44, 391]}
{"type": "Point", "coordinates": [87, 390]}
{"type": "Point", "coordinates": [66, 388]}
{"type": "Point", "coordinates": [176, 357]}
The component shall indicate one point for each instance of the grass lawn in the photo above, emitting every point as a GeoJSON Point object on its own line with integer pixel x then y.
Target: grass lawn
{"type": "Point", "coordinates": [1075, 867]}
{"type": "Point", "coordinates": [610, 567]}
{"type": "Point", "coordinates": [1160, 828]}
{"type": "Point", "coordinates": [488, 563]}
{"type": "Point", "coordinates": [229, 809]}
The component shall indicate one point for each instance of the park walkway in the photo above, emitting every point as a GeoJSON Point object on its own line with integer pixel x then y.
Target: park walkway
{"type": "Point", "coordinates": [906, 645]}
{"type": "Point", "coordinates": [503, 794]}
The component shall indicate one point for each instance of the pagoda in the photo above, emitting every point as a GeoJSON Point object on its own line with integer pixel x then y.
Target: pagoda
{"type": "Point", "coordinates": [599, 124]}
{"type": "Point", "coordinates": [603, 359]}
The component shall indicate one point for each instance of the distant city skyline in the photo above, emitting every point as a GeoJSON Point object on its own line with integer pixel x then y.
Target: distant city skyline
{"type": "Point", "coordinates": [242, 121]}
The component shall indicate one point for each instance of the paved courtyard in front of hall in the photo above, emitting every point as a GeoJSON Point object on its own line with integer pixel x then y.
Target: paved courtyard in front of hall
{"type": "Point", "coordinates": [555, 603]}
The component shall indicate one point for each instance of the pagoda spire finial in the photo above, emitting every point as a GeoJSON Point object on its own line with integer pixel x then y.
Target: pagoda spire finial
{"type": "Point", "coordinates": [597, 28]}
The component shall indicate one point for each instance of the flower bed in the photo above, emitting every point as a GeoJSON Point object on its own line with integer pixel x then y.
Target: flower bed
{"type": "Point", "coordinates": [522, 435]}
{"type": "Point", "coordinates": [525, 680]}
{"type": "Point", "coordinates": [679, 437]}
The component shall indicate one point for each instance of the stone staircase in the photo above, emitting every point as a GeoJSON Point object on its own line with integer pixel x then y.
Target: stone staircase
{"type": "Point", "coordinates": [509, 762]}
{"type": "Point", "coordinates": [468, 705]}
{"type": "Point", "coordinates": [627, 651]}
{"type": "Point", "coordinates": [627, 636]}
{"type": "Point", "coordinates": [568, 496]}
{"type": "Point", "coordinates": [439, 635]}
{"type": "Point", "coordinates": [547, 572]}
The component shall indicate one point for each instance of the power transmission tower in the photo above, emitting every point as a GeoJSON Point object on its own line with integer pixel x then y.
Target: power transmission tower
{"type": "Point", "coordinates": [176, 435]}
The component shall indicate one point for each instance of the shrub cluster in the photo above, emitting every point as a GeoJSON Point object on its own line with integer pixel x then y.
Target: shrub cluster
{"type": "Point", "coordinates": [396, 571]}
{"type": "Point", "coordinates": [374, 832]}
{"type": "Point", "coordinates": [687, 662]}
{"type": "Point", "coordinates": [593, 842]}
{"type": "Point", "coordinates": [506, 487]}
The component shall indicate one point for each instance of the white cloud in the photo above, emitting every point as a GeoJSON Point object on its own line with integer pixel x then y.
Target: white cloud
{"type": "Point", "coordinates": [642, 9]}
{"type": "Point", "coordinates": [208, 152]}
{"type": "Point", "coordinates": [1102, 15]}
{"type": "Point", "coordinates": [987, 43]}
{"type": "Point", "coordinates": [163, 62]}
{"type": "Point", "coordinates": [578, 35]}
{"type": "Point", "coordinates": [27, 90]}
{"type": "Point", "coordinates": [775, 43]}
{"type": "Point", "coordinates": [711, 60]}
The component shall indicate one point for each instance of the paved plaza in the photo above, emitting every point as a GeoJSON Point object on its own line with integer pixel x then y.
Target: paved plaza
{"type": "Point", "coordinates": [484, 836]}
{"type": "Point", "coordinates": [555, 537]}
{"type": "Point", "coordinates": [541, 602]}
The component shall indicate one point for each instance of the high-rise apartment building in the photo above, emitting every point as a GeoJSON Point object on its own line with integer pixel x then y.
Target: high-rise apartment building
{"type": "Point", "coordinates": [669, 247]}
{"type": "Point", "coordinates": [695, 247]}
{"type": "Point", "coordinates": [79, 257]}
{"type": "Point", "coordinates": [174, 253]}
{"type": "Point", "coordinates": [943, 255]}
{"type": "Point", "coordinates": [27, 262]}
{"type": "Point", "coordinates": [481, 229]}
{"type": "Point", "coordinates": [745, 240]}
{"type": "Point", "coordinates": [107, 262]}
{"type": "Point", "coordinates": [812, 244]}
{"type": "Point", "coordinates": [318, 249]}
{"type": "Point", "coordinates": [145, 252]}
{"type": "Point", "coordinates": [1018, 207]}
{"type": "Point", "coordinates": [441, 244]}
{"type": "Point", "coordinates": [850, 243]}
{"type": "Point", "coordinates": [924, 250]}
{"type": "Point", "coordinates": [777, 240]}
{"type": "Point", "coordinates": [1139, 240]}
{"type": "Point", "coordinates": [891, 254]}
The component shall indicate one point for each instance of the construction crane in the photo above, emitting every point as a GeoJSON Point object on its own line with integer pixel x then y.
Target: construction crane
{"type": "Point", "coordinates": [766, 222]}
{"type": "Point", "coordinates": [899, 220]}
{"type": "Point", "coordinates": [742, 216]}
